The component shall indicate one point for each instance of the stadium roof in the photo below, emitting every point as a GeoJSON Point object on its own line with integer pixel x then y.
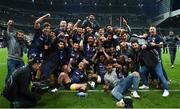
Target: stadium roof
{"type": "Point", "coordinates": [78, 2]}
{"type": "Point", "coordinates": [79, 6]}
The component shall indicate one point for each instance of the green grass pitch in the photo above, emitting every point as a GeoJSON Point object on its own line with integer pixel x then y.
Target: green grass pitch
{"type": "Point", "coordinates": [100, 99]}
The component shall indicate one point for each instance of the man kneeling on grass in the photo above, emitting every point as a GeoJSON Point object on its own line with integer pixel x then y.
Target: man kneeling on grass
{"type": "Point", "coordinates": [119, 86]}
{"type": "Point", "coordinates": [17, 88]}
{"type": "Point", "coordinates": [76, 80]}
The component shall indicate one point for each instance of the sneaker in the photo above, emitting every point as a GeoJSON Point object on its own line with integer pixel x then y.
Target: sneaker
{"type": "Point", "coordinates": [54, 90]}
{"type": "Point", "coordinates": [135, 94]}
{"type": "Point", "coordinates": [120, 103]}
{"type": "Point", "coordinates": [92, 84]}
{"type": "Point", "coordinates": [143, 87]}
{"type": "Point", "coordinates": [81, 94]}
{"type": "Point", "coordinates": [165, 93]}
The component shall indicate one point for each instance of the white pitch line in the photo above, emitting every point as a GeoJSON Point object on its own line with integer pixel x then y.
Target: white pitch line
{"type": "Point", "coordinates": [69, 91]}
{"type": "Point", "coordinates": [158, 90]}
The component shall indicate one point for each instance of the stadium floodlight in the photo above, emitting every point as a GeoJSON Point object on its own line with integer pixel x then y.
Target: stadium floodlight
{"type": "Point", "coordinates": [125, 4]}
{"type": "Point", "coordinates": [140, 5]}
{"type": "Point", "coordinates": [65, 3]}
{"type": "Point", "coordinates": [51, 2]}
{"type": "Point", "coordinates": [80, 3]}
{"type": "Point", "coordinates": [33, 1]}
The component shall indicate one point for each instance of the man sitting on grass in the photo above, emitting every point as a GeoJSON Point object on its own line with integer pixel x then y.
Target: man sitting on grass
{"type": "Point", "coordinates": [76, 80]}
{"type": "Point", "coordinates": [119, 86]}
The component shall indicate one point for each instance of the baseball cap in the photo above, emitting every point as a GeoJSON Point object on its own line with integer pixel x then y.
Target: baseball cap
{"type": "Point", "coordinates": [35, 58]}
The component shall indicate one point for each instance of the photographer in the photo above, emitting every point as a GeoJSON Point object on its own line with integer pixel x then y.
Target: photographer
{"type": "Point", "coordinates": [17, 87]}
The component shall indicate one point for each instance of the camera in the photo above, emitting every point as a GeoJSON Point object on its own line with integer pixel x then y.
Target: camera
{"type": "Point", "coordinates": [128, 102]}
{"type": "Point", "coordinates": [39, 87]}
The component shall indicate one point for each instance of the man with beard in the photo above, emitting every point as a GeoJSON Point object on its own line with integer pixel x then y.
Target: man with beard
{"type": "Point", "coordinates": [16, 46]}
{"type": "Point", "coordinates": [88, 49]}
{"type": "Point", "coordinates": [61, 32]}
{"type": "Point", "coordinates": [91, 22]}
{"type": "Point", "coordinates": [41, 39]}
{"type": "Point", "coordinates": [119, 86]}
{"type": "Point", "coordinates": [149, 60]}
{"type": "Point", "coordinates": [75, 54]}
{"type": "Point", "coordinates": [62, 29]}
{"type": "Point", "coordinates": [155, 40]}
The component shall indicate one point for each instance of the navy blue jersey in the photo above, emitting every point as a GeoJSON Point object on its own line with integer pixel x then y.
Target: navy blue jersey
{"type": "Point", "coordinates": [58, 31]}
{"type": "Point", "coordinates": [38, 42]}
{"type": "Point", "coordinates": [94, 24]}
{"type": "Point", "coordinates": [47, 42]}
{"type": "Point", "coordinates": [75, 55]}
{"type": "Point", "coordinates": [53, 45]}
{"type": "Point", "coordinates": [88, 52]}
{"type": "Point", "coordinates": [100, 68]}
{"type": "Point", "coordinates": [109, 43]}
{"type": "Point", "coordinates": [77, 76]}
{"type": "Point", "coordinates": [76, 38]}
{"type": "Point", "coordinates": [62, 57]}
{"type": "Point", "coordinates": [172, 41]}
{"type": "Point", "coordinates": [156, 39]}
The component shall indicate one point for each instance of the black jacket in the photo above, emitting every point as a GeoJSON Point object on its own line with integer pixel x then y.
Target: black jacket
{"type": "Point", "coordinates": [18, 85]}
{"type": "Point", "coordinates": [148, 57]}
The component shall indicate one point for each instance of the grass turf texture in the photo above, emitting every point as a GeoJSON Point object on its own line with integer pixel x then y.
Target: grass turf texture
{"type": "Point", "coordinates": [65, 99]}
